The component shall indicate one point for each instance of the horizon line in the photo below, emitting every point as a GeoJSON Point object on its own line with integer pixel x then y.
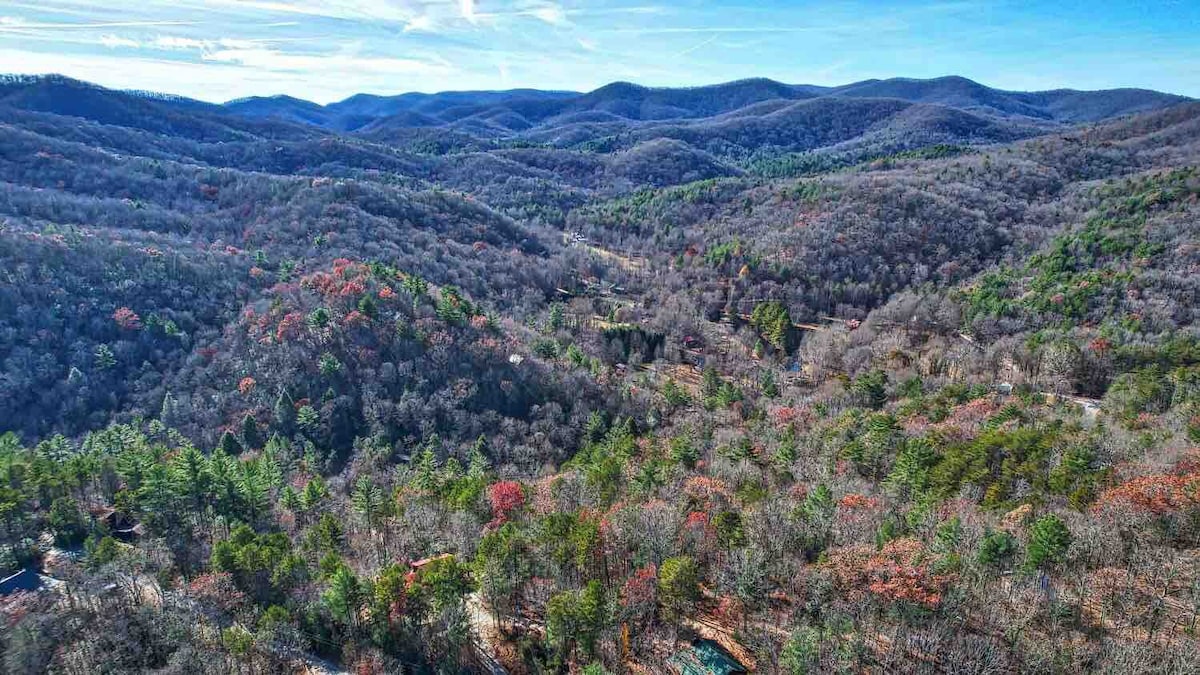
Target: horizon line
{"type": "Point", "coordinates": [150, 93]}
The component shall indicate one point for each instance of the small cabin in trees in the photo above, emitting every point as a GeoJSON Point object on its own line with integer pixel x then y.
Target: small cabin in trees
{"type": "Point", "coordinates": [705, 657]}
{"type": "Point", "coordinates": [121, 526]}
{"type": "Point", "coordinates": [26, 580]}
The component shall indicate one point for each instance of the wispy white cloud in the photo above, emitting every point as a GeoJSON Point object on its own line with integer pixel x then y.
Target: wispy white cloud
{"type": "Point", "coordinates": [695, 47]}
{"type": "Point", "coordinates": [326, 49]}
{"type": "Point", "coordinates": [11, 23]}
{"type": "Point", "coordinates": [550, 13]}
{"type": "Point", "coordinates": [610, 11]}
{"type": "Point", "coordinates": [230, 74]}
{"type": "Point", "coordinates": [504, 16]}
{"type": "Point", "coordinates": [116, 42]}
{"type": "Point", "coordinates": [175, 42]}
{"type": "Point", "coordinates": [420, 24]}
{"type": "Point", "coordinates": [186, 43]}
{"type": "Point", "coordinates": [467, 9]}
{"type": "Point", "coordinates": [344, 63]}
{"type": "Point", "coordinates": [379, 10]}
{"type": "Point", "coordinates": [670, 30]}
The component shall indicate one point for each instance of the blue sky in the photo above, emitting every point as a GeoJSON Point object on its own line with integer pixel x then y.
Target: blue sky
{"type": "Point", "coordinates": [325, 50]}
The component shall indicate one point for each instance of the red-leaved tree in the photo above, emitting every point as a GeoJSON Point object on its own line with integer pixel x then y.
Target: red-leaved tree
{"type": "Point", "coordinates": [505, 496]}
{"type": "Point", "coordinates": [127, 319]}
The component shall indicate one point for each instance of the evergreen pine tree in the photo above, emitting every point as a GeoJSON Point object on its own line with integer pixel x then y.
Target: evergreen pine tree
{"type": "Point", "coordinates": [313, 493]}
{"type": "Point", "coordinates": [229, 445]}
{"type": "Point", "coordinates": [710, 382]}
{"type": "Point", "coordinates": [251, 438]}
{"type": "Point", "coordinates": [170, 410]}
{"type": "Point", "coordinates": [285, 413]}
{"type": "Point", "coordinates": [1049, 540]}
{"type": "Point", "coordinates": [425, 473]}
{"type": "Point", "coordinates": [289, 498]}
{"type": "Point", "coordinates": [368, 306]}
{"type": "Point", "coordinates": [189, 471]}
{"type": "Point", "coordinates": [478, 465]}
{"type": "Point", "coordinates": [367, 501]}
{"type": "Point", "coordinates": [451, 471]}
{"type": "Point", "coordinates": [769, 387]}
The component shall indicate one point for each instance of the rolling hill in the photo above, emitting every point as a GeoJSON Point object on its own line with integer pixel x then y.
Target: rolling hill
{"type": "Point", "coordinates": [635, 103]}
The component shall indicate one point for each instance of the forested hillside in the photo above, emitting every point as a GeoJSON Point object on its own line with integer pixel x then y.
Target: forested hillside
{"type": "Point", "coordinates": [901, 376]}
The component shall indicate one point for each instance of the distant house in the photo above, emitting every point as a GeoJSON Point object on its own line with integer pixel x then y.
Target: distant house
{"type": "Point", "coordinates": [25, 580]}
{"type": "Point", "coordinates": [122, 527]}
{"type": "Point", "coordinates": [418, 565]}
{"type": "Point", "coordinates": [705, 657]}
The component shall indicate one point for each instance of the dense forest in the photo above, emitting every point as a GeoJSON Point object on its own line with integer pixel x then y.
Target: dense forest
{"type": "Point", "coordinates": [901, 376]}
